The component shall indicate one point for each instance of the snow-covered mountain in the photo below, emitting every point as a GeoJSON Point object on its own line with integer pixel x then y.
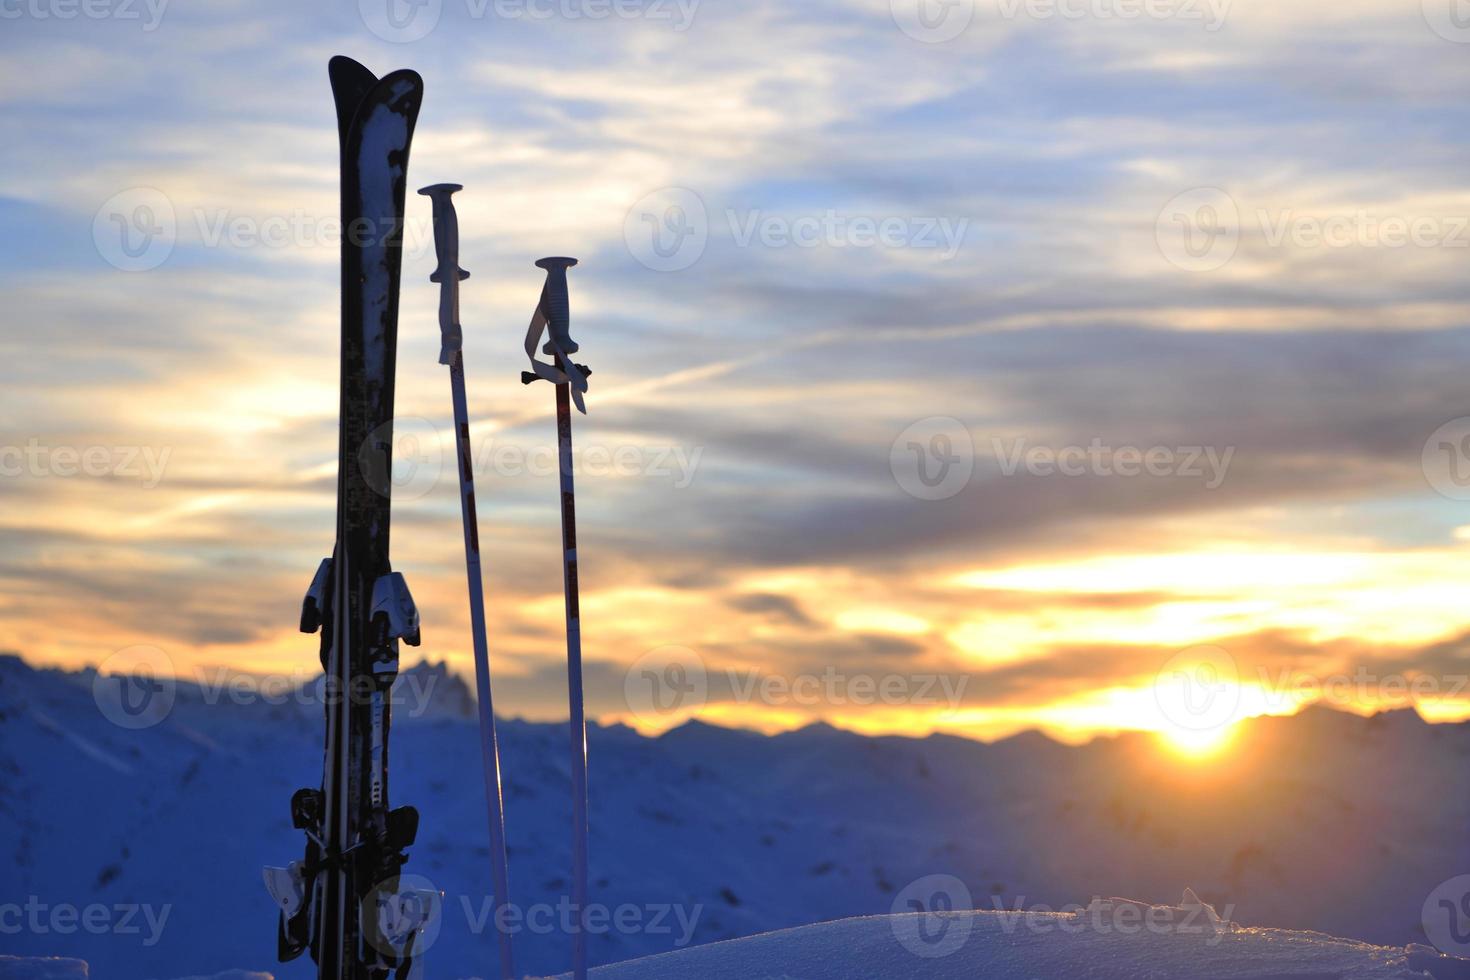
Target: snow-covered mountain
{"type": "Point", "coordinates": [1323, 821]}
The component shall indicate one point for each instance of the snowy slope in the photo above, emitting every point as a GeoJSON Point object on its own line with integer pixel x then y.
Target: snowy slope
{"type": "Point", "coordinates": [1324, 821]}
{"type": "Point", "coordinates": [1039, 946]}
{"type": "Point", "coordinates": [1049, 946]}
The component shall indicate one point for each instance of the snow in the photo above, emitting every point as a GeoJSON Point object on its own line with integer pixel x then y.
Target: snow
{"type": "Point", "coordinates": [41, 968]}
{"type": "Point", "coordinates": [1051, 946]}
{"type": "Point", "coordinates": [1346, 827]}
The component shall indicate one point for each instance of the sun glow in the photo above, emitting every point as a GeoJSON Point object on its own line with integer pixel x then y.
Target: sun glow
{"type": "Point", "coordinates": [1197, 743]}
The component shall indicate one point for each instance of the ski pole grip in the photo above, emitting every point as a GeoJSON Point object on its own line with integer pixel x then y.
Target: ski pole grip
{"type": "Point", "coordinates": [556, 304]}
{"type": "Point", "coordinates": [446, 223]}
{"type": "Point", "coordinates": [448, 273]}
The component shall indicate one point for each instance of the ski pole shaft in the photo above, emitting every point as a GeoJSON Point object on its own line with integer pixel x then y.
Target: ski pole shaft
{"type": "Point", "coordinates": [578, 721]}
{"type": "Point", "coordinates": [448, 275]}
{"type": "Point", "coordinates": [552, 317]}
{"type": "Point", "coordinates": [489, 744]}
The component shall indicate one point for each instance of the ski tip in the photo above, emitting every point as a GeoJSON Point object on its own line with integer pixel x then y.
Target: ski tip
{"type": "Point", "coordinates": [433, 189]}
{"type": "Point", "coordinates": [342, 68]}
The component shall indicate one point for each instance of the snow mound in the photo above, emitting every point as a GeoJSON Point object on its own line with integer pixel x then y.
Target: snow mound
{"type": "Point", "coordinates": [1044, 946]}
{"type": "Point", "coordinates": [41, 968]}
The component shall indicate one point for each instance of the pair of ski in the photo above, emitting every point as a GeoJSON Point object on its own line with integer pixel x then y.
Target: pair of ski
{"type": "Point", "coordinates": [551, 318]}
{"type": "Point", "coordinates": [343, 901]}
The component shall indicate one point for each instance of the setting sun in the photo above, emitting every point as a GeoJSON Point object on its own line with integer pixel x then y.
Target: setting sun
{"type": "Point", "coordinates": [1197, 743]}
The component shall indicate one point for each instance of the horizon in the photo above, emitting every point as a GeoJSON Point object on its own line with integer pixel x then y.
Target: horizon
{"type": "Point", "coordinates": [221, 682]}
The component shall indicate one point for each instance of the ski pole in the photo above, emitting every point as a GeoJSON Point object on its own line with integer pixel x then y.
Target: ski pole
{"type": "Point", "coordinates": [448, 276]}
{"type": "Point", "coordinates": [553, 315]}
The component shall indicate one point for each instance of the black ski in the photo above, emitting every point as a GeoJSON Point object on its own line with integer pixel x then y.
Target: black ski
{"type": "Point", "coordinates": [330, 902]}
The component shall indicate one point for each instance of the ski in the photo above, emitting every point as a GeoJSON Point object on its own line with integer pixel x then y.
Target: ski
{"type": "Point", "coordinates": [448, 275]}
{"type": "Point", "coordinates": [553, 317]}
{"type": "Point", "coordinates": [342, 901]}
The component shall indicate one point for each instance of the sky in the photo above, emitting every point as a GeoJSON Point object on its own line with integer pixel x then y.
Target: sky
{"type": "Point", "coordinates": [958, 366]}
